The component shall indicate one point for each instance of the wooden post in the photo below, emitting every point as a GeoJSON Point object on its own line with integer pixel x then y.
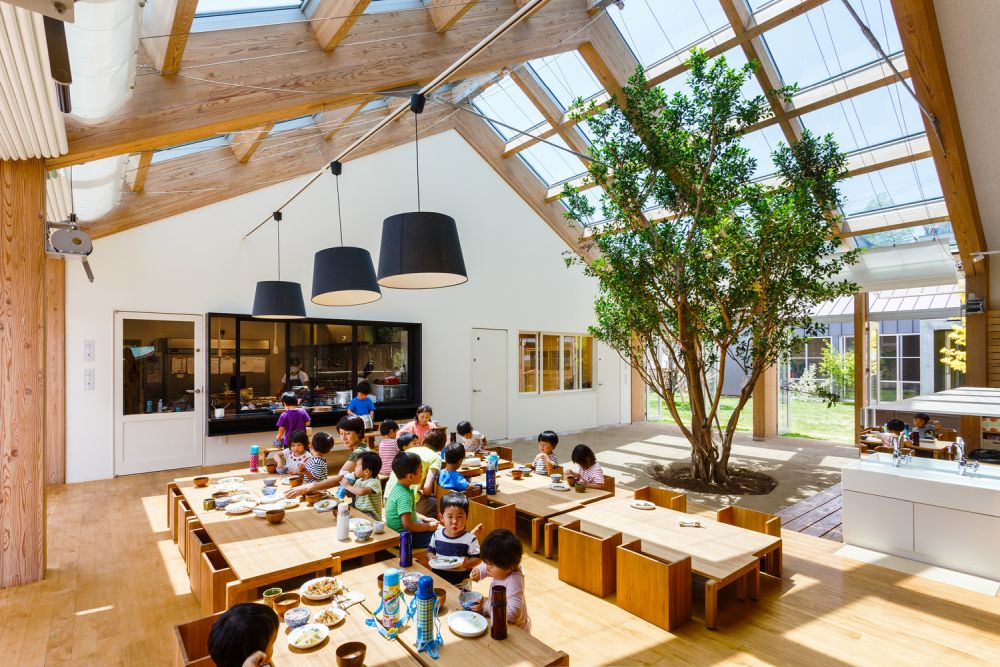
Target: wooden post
{"type": "Point", "coordinates": [860, 361]}
{"type": "Point", "coordinates": [976, 353]}
{"type": "Point", "coordinates": [22, 371]}
{"type": "Point", "coordinates": [765, 404]}
{"type": "Point", "coordinates": [55, 371]}
{"type": "Point", "coordinates": [638, 387]}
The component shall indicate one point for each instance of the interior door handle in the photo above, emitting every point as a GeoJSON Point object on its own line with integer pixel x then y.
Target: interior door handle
{"type": "Point", "coordinates": [476, 391]}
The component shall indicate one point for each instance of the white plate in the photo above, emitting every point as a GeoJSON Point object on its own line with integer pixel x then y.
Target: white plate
{"type": "Point", "coordinates": [559, 486]}
{"type": "Point", "coordinates": [327, 505]}
{"type": "Point", "coordinates": [228, 480]}
{"type": "Point", "coordinates": [642, 505]}
{"type": "Point", "coordinates": [247, 499]}
{"type": "Point", "coordinates": [237, 508]}
{"type": "Point", "coordinates": [295, 637]}
{"type": "Point", "coordinates": [337, 613]}
{"type": "Point", "coordinates": [288, 503]}
{"type": "Point", "coordinates": [446, 562]}
{"type": "Point", "coordinates": [302, 589]}
{"type": "Point", "coordinates": [262, 510]}
{"type": "Point", "coordinates": [467, 623]}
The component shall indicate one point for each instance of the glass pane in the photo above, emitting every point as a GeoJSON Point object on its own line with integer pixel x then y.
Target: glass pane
{"type": "Point", "coordinates": [334, 363]}
{"type": "Point", "coordinates": [894, 186]}
{"type": "Point", "coordinates": [873, 118]}
{"type": "Point", "coordinates": [911, 345]}
{"type": "Point", "coordinates": [157, 366]}
{"type": "Point", "coordinates": [552, 164]}
{"type": "Point", "coordinates": [887, 346]}
{"type": "Point", "coordinates": [527, 363]}
{"type": "Point", "coordinates": [798, 349]}
{"type": "Point", "coordinates": [182, 150]}
{"type": "Point", "coordinates": [796, 368]}
{"type": "Point", "coordinates": [567, 77]}
{"type": "Point", "coordinates": [762, 144]}
{"type": "Point", "coordinates": [222, 363]}
{"type": "Point", "coordinates": [735, 58]}
{"type": "Point", "coordinates": [587, 362]}
{"type": "Point", "coordinates": [887, 391]}
{"type": "Point", "coordinates": [848, 344]}
{"type": "Point", "coordinates": [938, 230]}
{"type": "Point", "coordinates": [569, 362]}
{"type": "Point", "coordinates": [593, 196]}
{"type": "Point", "coordinates": [815, 347]}
{"type": "Point", "coordinates": [656, 30]}
{"type": "Point", "coordinates": [302, 357]}
{"type": "Point", "coordinates": [226, 6]}
{"type": "Point", "coordinates": [263, 374]}
{"type": "Point", "coordinates": [382, 357]}
{"type": "Point", "coordinates": [888, 368]}
{"type": "Point", "coordinates": [911, 389]}
{"type": "Point", "coordinates": [910, 369]}
{"type": "Point", "coordinates": [551, 372]}
{"type": "Point", "coordinates": [505, 102]}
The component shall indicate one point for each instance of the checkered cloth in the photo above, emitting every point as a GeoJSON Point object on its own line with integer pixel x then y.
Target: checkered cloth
{"type": "Point", "coordinates": [428, 626]}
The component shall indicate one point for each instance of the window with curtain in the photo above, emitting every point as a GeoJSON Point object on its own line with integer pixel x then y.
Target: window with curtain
{"type": "Point", "coordinates": [566, 362]}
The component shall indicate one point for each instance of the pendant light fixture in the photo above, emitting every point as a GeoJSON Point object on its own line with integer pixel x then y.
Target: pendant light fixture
{"type": "Point", "coordinates": [420, 249]}
{"type": "Point", "coordinates": [278, 299]}
{"type": "Point", "coordinates": [343, 275]}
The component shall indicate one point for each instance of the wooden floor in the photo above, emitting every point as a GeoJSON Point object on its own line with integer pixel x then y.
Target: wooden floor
{"type": "Point", "coordinates": [116, 585]}
{"type": "Point", "coordinates": [819, 516]}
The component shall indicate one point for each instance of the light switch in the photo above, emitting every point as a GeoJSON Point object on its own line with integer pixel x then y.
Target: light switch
{"type": "Point", "coordinates": [88, 379]}
{"type": "Point", "coordinates": [88, 349]}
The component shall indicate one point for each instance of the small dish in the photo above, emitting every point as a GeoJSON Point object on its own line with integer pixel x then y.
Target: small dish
{"type": "Point", "coordinates": [222, 502]}
{"type": "Point", "coordinates": [358, 521]}
{"type": "Point", "coordinates": [201, 482]}
{"type": "Point", "coordinates": [296, 617]}
{"type": "Point", "coordinates": [228, 480]}
{"type": "Point", "coordinates": [238, 508]}
{"type": "Point", "coordinates": [363, 531]}
{"type": "Point", "coordinates": [308, 636]}
{"type": "Point", "coordinates": [470, 599]}
{"type": "Point", "coordinates": [294, 480]}
{"type": "Point", "coordinates": [379, 527]}
{"type": "Point", "coordinates": [409, 582]}
{"type": "Point", "coordinates": [327, 505]}
{"type": "Point", "coordinates": [330, 617]}
{"type": "Point", "coordinates": [246, 498]}
{"type": "Point", "coordinates": [446, 562]}
{"type": "Point", "coordinates": [642, 505]}
{"type": "Point", "coordinates": [442, 597]}
{"type": "Point", "coordinates": [313, 498]}
{"type": "Point", "coordinates": [467, 623]}
{"type": "Point", "coordinates": [275, 516]}
{"type": "Point", "coordinates": [270, 481]}
{"type": "Point", "coordinates": [321, 588]}
{"type": "Point", "coordinates": [516, 474]}
{"type": "Point", "coordinates": [286, 601]}
{"type": "Point", "coordinates": [289, 503]}
{"type": "Point", "coordinates": [559, 486]}
{"type": "Point", "coordinates": [351, 654]}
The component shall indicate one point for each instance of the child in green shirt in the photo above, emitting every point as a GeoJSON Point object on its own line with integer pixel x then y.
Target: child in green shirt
{"type": "Point", "coordinates": [367, 489]}
{"type": "Point", "coordinates": [400, 513]}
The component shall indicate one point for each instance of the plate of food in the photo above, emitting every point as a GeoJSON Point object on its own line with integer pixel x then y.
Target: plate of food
{"type": "Point", "coordinates": [308, 636]}
{"type": "Point", "coordinates": [245, 498]}
{"type": "Point", "coordinates": [559, 486]}
{"type": "Point", "coordinates": [327, 505]}
{"type": "Point", "coordinates": [235, 487]}
{"type": "Point", "coordinates": [467, 623]}
{"type": "Point", "coordinates": [446, 562]}
{"type": "Point", "coordinates": [358, 521]}
{"type": "Point", "coordinates": [331, 617]}
{"type": "Point", "coordinates": [228, 480]}
{"type": "Point", "coordinates": [238, 508]}
{"type": "Point", "coordinates": [320, 588]}
{"type": "Point", "coordinates": [642, 505]}
{"type": "Point", "coordinates": [289, 503]}
{"type": "Point", "coordinates": [262, 510]}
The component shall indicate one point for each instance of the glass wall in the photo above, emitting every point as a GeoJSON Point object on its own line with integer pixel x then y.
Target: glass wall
{"type": "Point", "coordinates": [382, 361]}
{"type": "Point", "coordinates": [899, 366]}
{"type": "Point", "coordinates": [158, 366]}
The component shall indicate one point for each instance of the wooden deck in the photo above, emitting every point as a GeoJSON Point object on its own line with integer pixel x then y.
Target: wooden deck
{"type": "Point", "coordinates": [819, 516]}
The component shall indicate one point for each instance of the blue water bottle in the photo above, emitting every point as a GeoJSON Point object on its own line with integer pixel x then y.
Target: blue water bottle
{"type": "Point", "coordinates": [405, 548]}
{"type": "Point", "coordinates": [491, 476]}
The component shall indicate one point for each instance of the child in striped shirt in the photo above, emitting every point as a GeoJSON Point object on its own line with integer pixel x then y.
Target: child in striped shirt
{"type": "Point", "coordinates": [315, 466]}
{"type": "Point", "coordinates": [387, 448]}
{"type": "Point", "coordinates": [546, 459]}
{"type": "Point", "coordinates": [366, 489]}
{"type": "Point", "coordinates": [588, 471]}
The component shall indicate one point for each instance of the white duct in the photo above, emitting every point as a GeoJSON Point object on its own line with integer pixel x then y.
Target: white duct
{"type": "Point", "coordinates": [58, 198]}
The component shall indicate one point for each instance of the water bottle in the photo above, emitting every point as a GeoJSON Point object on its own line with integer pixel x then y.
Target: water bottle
{"type": "Point", "coordinates": [405, 548]}
{"type": "Point", "coordinates": [498, 612]}
{"type": "Point", "coordinates": [254, 458]}
{"type": "Point", "coordinates": [491, 475]}
{"type": "Point", "coordinates": [391, 599]}
{"type": "Point", "coordinates": [426, 612]}
{"type": "Point", "coordinates": [343, 522]}
{"type": "Point", "coordinates": [341, 492]}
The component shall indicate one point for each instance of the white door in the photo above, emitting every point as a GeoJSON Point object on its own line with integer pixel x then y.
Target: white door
{"type": "Point", "coordinates": [609, 386]}
{"type": "Point", "coordinates": [489, 382]}
{"type": "Point", "coordinates": [159, 402]}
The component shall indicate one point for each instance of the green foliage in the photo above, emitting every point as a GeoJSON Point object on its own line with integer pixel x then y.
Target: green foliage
{"type": "Point", "coordinates": [953, 356]}
{"type": "Point", "coordinates": [839, 368]}
{"type": "Point", "coordinates": [734, 268]}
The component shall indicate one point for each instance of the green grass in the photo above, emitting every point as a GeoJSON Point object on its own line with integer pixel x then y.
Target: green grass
{"type": "Point", "coordinates": [809, 419]}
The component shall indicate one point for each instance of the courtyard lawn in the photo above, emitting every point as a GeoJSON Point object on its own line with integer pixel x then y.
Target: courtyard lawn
{"type": "Point", "coordinates": [809, 419]}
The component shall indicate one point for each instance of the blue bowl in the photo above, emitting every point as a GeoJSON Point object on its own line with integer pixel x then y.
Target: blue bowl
{"type": "Point", "coordinates": [469, 599]}
{"type": "Point", "coordinates": [297, 617]}
{"type": "Point", "coordinates": [270, 481]}
{"type": "Point", "coordinates": [269, 491]}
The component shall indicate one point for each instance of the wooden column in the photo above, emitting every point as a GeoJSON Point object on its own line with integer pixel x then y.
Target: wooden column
{"type": "Point", "coordinates": [860, 361]}
{"type": "Point", "coordinates": [638, 387]}
{"type": "Point", "coordinates": [765, 405]}
{"type": "Point", "coordinates": [55, 371]}
{"type": "Point", "coordinates": [22, 371]}
{"type": "Point", "coordinates": [977, 359]}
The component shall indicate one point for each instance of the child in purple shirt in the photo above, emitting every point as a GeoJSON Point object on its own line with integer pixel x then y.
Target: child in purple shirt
{"type": "Point", "coordinates": [291, 420]}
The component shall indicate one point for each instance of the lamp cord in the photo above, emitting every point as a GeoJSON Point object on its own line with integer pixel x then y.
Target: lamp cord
{"type": "Point", "coordinates": [340, 219]}
{"type": "Point", "coordinates": [416, 149]}
{"type": "Point", "coordinates": [277, 227]}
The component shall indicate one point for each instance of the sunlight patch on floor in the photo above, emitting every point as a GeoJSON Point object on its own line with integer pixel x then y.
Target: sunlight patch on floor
{"type": "Point", "coordinates": [95, 610]}
{"type": "Point", "coordinates": [177, 575]}
{"type": "Point", "coordinates": [757, 452]}
{"type": "Point", "coordinates": [647, 449]}
{"type": "Point", "coordinates": [614, 457]}
{"type": "Point", "coordinates": [835, 462]}
{"type": "Point", "coordinates": [672, 440]}
{"type": "Point", "coordinates": [155, 508]}
{"type": "Point", "coordinates": [923, 570]}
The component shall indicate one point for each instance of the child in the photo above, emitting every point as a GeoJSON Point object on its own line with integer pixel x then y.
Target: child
{"type": "Point", "coordinates": [893, 429]}
{"type": "Point", "coordinates": [362, 405]}
{"type": "Point", "coordinates": [407, 441]}
{"type": "Point", "coordinates": [387, 448]}
{"type": "Point", "coordinates": [923, 426]}
{"type": "Point", "coordinates": [347, 470]}
{"type": "Point", "coordinates": [315, 466]}
{"type": "Point", "coordinates": [451, 538]}
{"type": "Point", "coordinates": [422, 424]}
{"type": "Point", "coordinates": [546, 459]}
{"type": "Point", "coordinates": [430, 457]}
{"type": "Point", "coordinates": [291, 420]}
{"type": "Point", "coordinates": [243, 636]}
{"type": "Point", "coordinates": [501, 552]}
{"type": "Point", "coordinates": [292, 459]}
{"type": "Point", "coordinates": [473, 441]}
{"type": "Point", "coordinates": [367, 490]}
{"type": "Point", "coordinates": [399, 508]}
{"type": "Point", "coordinates": [451, 478]}
{"type": "Point", "coordinates": [589, 471]}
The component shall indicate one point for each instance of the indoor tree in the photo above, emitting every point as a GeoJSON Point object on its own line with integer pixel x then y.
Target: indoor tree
{"type": "Point", "coordinates": [697, 261]}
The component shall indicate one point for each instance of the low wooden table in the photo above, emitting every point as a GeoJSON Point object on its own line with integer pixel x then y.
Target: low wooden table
{"type": "Point", "coordinates": [937, 449]}
{"type": "Point", "coordinates": [720, 553]}
{"type": "Point", "coordinates": [520, 647]}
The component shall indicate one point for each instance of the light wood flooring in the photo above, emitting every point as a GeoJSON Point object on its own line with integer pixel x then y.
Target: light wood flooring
{"type": "Point", "coordinates": [116, 585]}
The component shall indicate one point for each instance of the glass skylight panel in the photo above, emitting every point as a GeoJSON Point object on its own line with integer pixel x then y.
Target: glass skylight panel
{"type": "Point", "coordinates": [762, 145]}
{"type": "Point", "coordinates": [894, 186]}
{"type": "Point", "coordinates": [183, 150]}
{"type": "Point", "coordinates": [593, 196]}
{"type": "Point", "coordinates": [870, 119]}
{"type": "Point", "coordinates": [293, 124]}
{"type": "Point", "coordinates": [826, 41]}
{"type": "Point", "coordinates": [505, 102]}
{"type": "Point", "coordinates": [215, 7]}
{"type": "Point", "coordinates": [735, 58]}
{"type": "Point", "coordinates": [552, 164]}
{"type": "Point", "coordinates": [940, 230]}
{"type": "Point", "coordinates": [567, 77]}
{"type": "Point", "coordinates": [655, 29]}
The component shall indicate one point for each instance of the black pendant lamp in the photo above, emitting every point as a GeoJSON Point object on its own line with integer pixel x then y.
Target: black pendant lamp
{"type": "Point", "coordinates": [344, 275]}
{"type": "Point", "coordinates": [278, 299]}
{"type": "Point", "coordinates": [420, 249]}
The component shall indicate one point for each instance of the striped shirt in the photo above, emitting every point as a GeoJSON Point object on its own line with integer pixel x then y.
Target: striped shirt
{"type": "Point", "coordinates": [463, 546]}
{"type": "Point", "coordinates": [592, 475]}
{"type": "Point", "coordinates": [540, 467]}
{"type": "Point", "coordinates": [316, 465]}
{"type": "Point", "coordinates": [387, 450]}
{"type": "Point", "coordinates": [370, 503]}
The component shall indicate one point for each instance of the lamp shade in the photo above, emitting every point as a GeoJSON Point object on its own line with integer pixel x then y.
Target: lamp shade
{"type": "Point", "coordinates": [344, 276]}
{"type": "Point", "coordinates": [278, 300]}
{"type": "Point", "coordinates": [420, 250]}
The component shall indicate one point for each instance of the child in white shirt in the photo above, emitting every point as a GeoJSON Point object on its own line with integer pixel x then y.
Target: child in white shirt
{"type": "Point", "coordinates": [473, 441]}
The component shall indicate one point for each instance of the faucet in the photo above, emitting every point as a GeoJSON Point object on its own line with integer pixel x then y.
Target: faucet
{"type": "Point", "coordinates": [897, 452]}
{"type": "Point", "coordinates": [964, 464]}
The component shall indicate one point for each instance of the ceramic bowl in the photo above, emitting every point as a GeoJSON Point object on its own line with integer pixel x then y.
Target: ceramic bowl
{"type": "Point", "coordinates": [222, 502]}
{"type": "Point", "coordinates": [270, 481]}
{"type": "Point", "coordinates": [516, 474]}
{"type": "Point", "coordinates": [295, 480]}
{"type": "Point", "coordinates": [380, 526]}
{"type": "Point", "coordinates": [363, 531]}
{"type": "Point", "coordinates": [201, 481]}
{"type": "Point", "coordinates": [286, 601]}
{"type": "Point", "coordinates": [442, 595]}
{"type": "Point", "coordinates": [269, 491]}
{"type": "Point", "coordinates": [351, 654]}
{"type": "Point", "coordinates": [272, 467]}
{"type": "Point", "coordinates": [409, 582]}
{"type": "Point", "coordinates": [296, 616]}
{"type": "Point", "coordinates": [469, 599]}
{"type": "Point", "coordinates": [275, 516]}
{"type": "Point", "coordinates": [313, 498]}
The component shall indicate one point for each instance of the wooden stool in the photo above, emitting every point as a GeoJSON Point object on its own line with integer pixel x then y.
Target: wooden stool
{"type": "Point", "coordinates": [588, 561]}
{"type": "Point", "coordinates": [759, 522]}
{"type": "Point", "coordinates": [654, 589]}
{"type": "Point", "coordinates": [664, 498]}
{"type": "Point", "coordinates": [492, 514]}
{"type": "Point", "coordinates": [191, 642]}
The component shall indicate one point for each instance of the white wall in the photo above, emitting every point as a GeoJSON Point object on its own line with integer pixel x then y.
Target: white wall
{"type": "Point", "coordinates": [196, 263]}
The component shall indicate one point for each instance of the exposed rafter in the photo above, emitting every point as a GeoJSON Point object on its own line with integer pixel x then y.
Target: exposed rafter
{"type": "Point", "coordinates": [542, 99]}
{"type": "Point", "coordinates": [608, 56]}
{"type": "Point", "coordinates": [896, 218]}
{"type": "Point", "coordinates": [246, 143]}
{"type": "Point", "coordinates": [332, 20]}
{"type": "Point", "coordinates": [336, 119]}
{"type": "Point", "coordinates": [444, 13]}
{"type": "Point", "coordinates": [142, 171]}
{"type": "Point", "coordinates": [172, 18]}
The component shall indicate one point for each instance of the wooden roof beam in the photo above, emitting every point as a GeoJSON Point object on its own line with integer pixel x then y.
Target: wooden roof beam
{"type": "Point", "coordinates": [550, 109]}
{"type": "Point", "coordinates": [142, 171]}
{"type": "Point", "coordinates": [332, 20]}
{"type": "Point", "coordinates": [444, 13]}
{"type": "Point", "coordinates": [172, 18]}
{"type": "Point", "coordinates": [245, 143]}
{"type": "Point", "coordinates": [900, 217]}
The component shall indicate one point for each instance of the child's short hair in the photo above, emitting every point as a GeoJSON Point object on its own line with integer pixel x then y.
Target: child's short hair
{"type": "Point", "coordinates": [240, 632]}
{"type": "Point", "coordinates": [455, 499]}
{"type": "Point", "coordinates": [371, 461]}
{"type": "Point", "coordinates": [895, 425]}
{"type": "Point", "coordinates": [322, 442]}
{"type": "Point", "coordinates": [424, 408]}
{"type": "Point", "coordinates": [405, 440]}
{"type": "Point", "coordinates": [388, 426]}
{"type": "Point", "coordinates": [364, 387]}
{"type": "Point", "coordinates": [405, 463]}
{"type": "Point", "coordinates": [454, 453]}
{"type": "Point", "coordinates": [289, 398]}
{"type": "Point", "coordinates": [922, 415]}
{"type": "Point", "coordinates": [356, 424]}
{"type": "Point", "coordinates": [464, 428]}
{"type": "Point", "coordinates": [583, 456]}
{"type": "Point", "coordinates": [549, 437]}
{"type": "Point", "coordinates": [435, 440]}
{"type": "Point", "coordinates": [502, 548]}
{"type": "Point", "coordinates": [300, 437]}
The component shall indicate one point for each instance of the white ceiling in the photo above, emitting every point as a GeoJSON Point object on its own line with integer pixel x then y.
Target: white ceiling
{"type": "Point", "coordinates": [969, 35]}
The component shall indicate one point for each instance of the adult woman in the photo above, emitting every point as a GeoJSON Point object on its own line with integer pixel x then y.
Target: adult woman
{"type": "Point", "coordinates": [421, 424]}
{"type": "Point", "coordinates": [352, 433]}
{"type": "Point", "coordinates": [295, 375]}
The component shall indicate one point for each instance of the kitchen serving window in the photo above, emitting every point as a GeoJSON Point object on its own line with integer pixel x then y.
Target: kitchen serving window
{"type": "Point", "coordinates": [554, 362]}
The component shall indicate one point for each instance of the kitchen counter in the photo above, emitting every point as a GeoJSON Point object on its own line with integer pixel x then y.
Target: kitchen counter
{"type": "Point", "coordinates": [267, 422]}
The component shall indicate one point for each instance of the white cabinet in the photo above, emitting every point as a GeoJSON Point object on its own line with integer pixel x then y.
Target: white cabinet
{"type": "Point", "coordinates": [875, 522]}
{"type": "Point", "coordinates": [963, 541]}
